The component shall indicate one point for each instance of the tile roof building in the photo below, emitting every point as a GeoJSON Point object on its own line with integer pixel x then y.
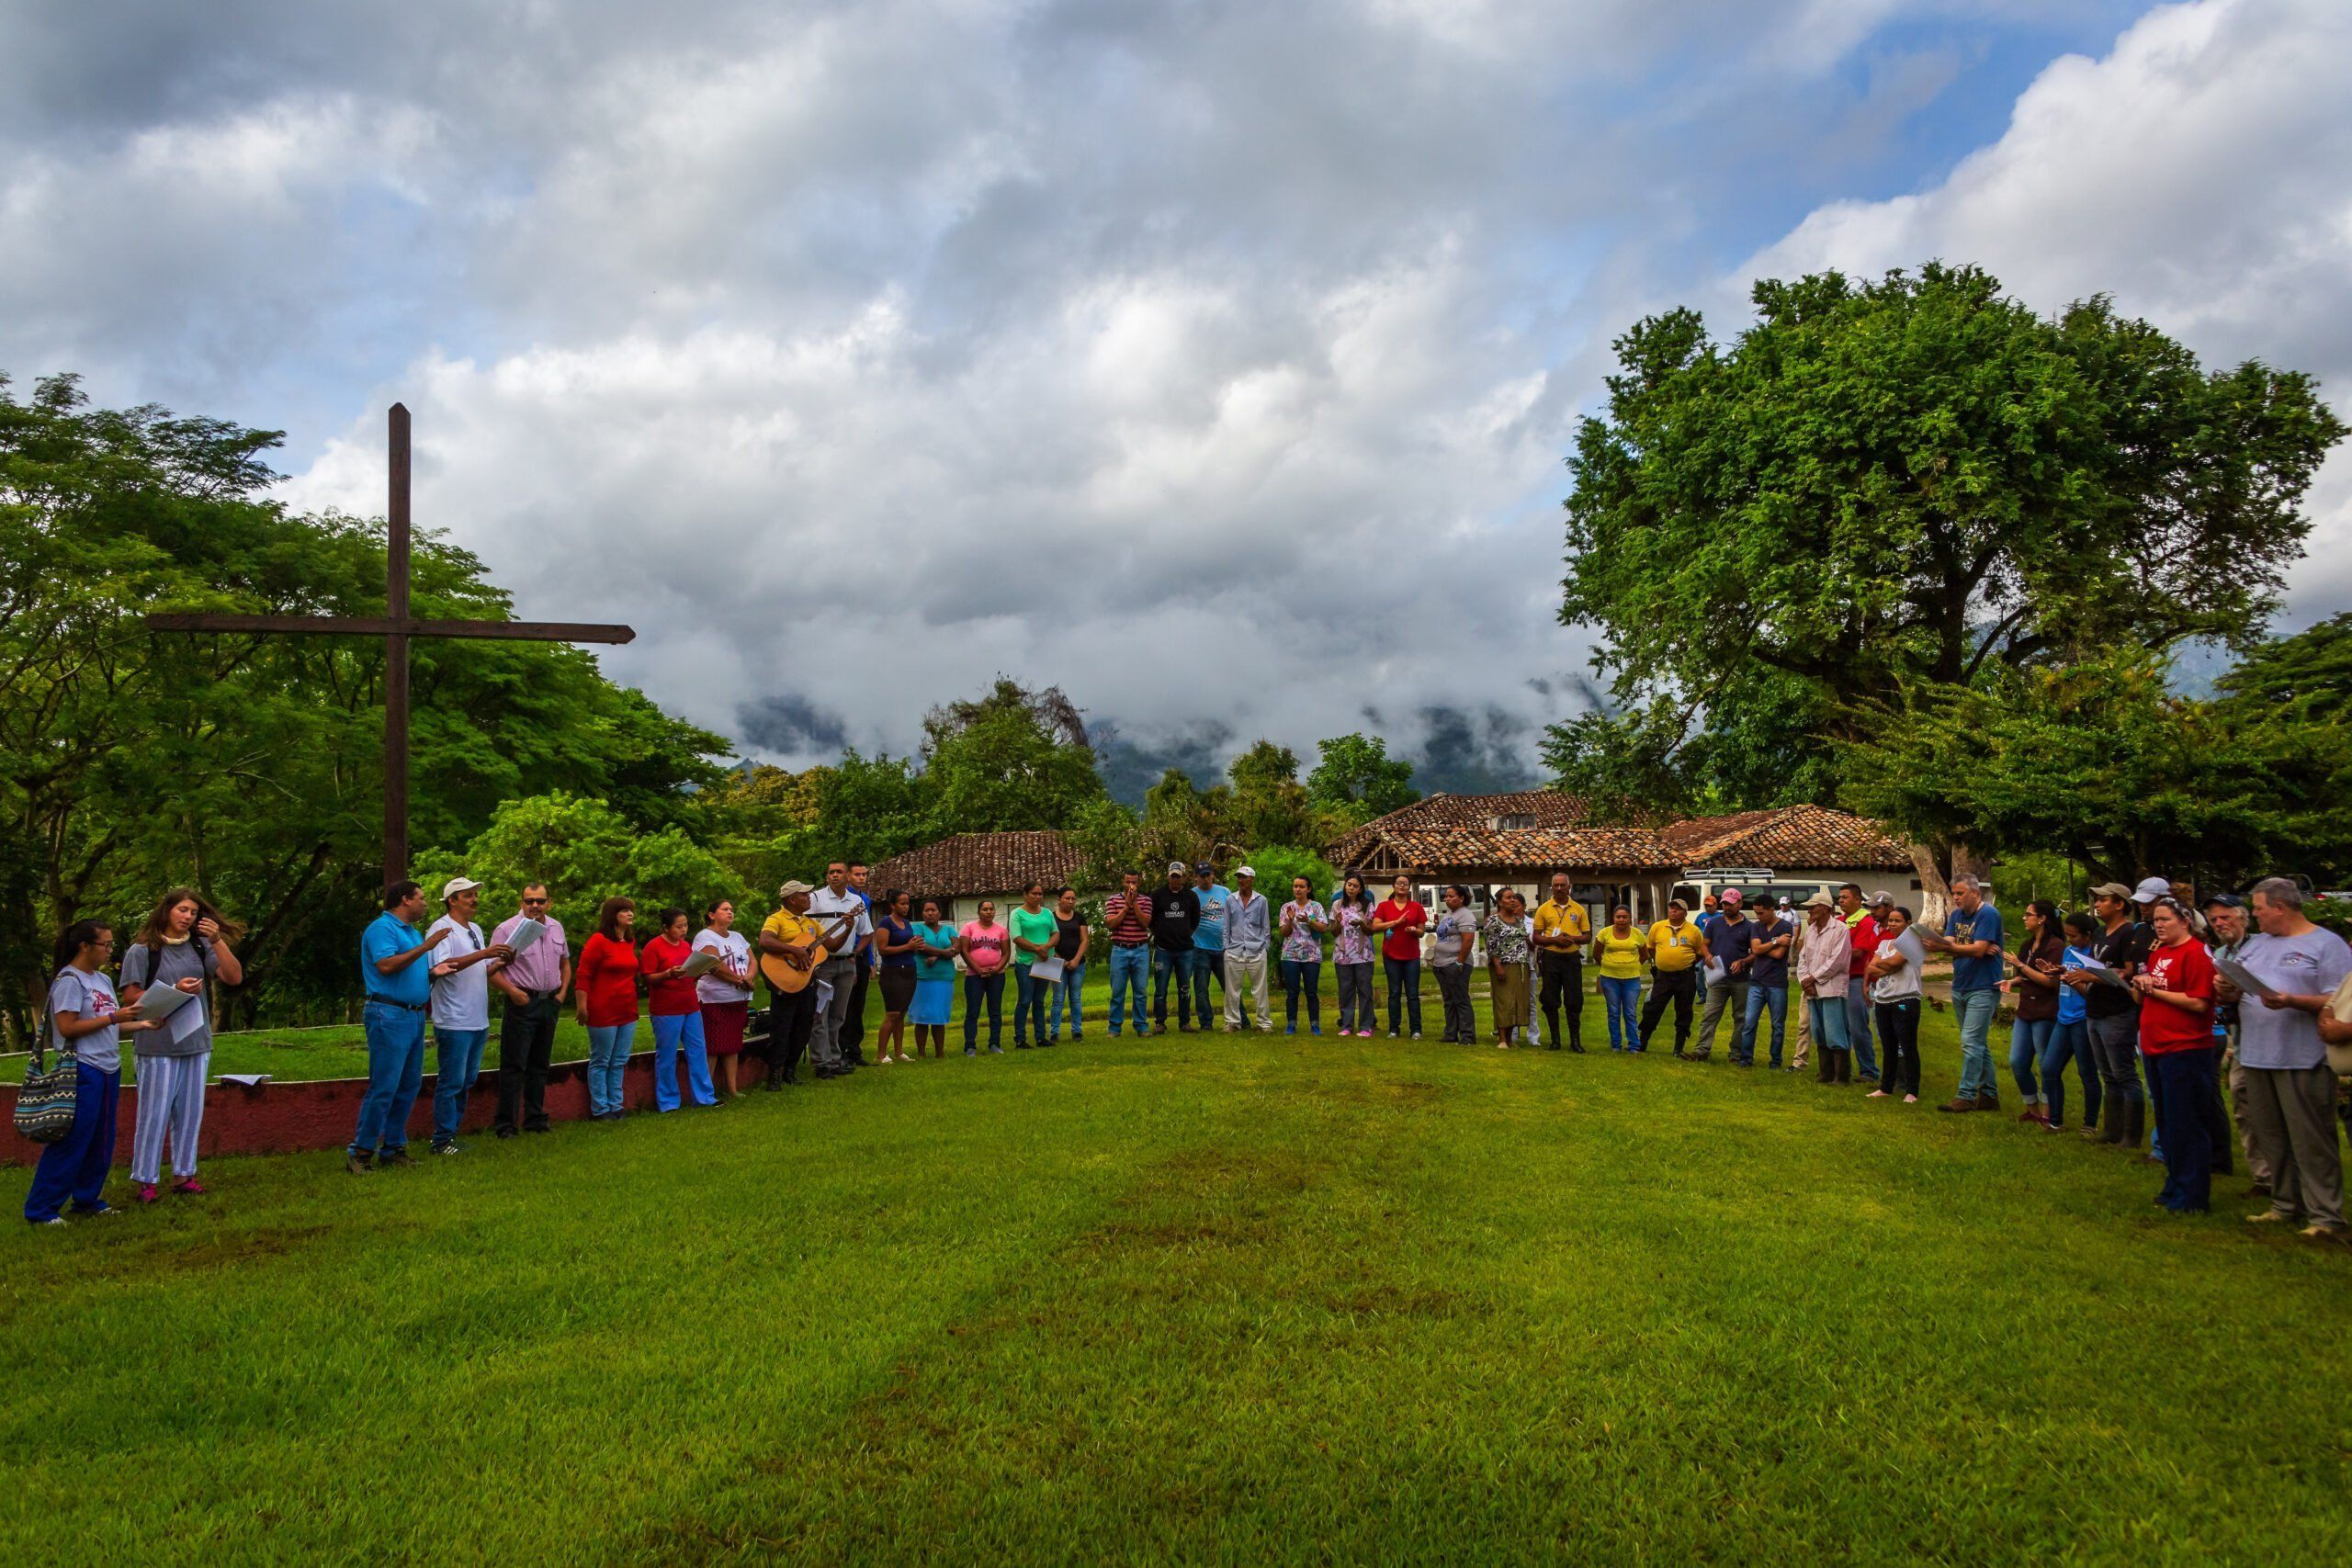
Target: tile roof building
{"type": "Point", "coordinates": [964, 868]}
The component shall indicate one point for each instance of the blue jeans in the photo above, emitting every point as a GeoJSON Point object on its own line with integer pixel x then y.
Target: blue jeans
{"type": "Point", "coordinates": [75, 1166]}
{"type": "Point", "coordinates": [1297, 973]}
{"type": "Point", "coordinates": [608, 1049]}
{"type": "Point", "coordinates": [672, 1030]}
{"type": "Point", "coordinates": [1975, 1009]}
{"type": "Point", "coordinates": [395, 1072]}
{"type": "Point", "coordinates": [1072, 985]}
{"type": "Point", "coordinates": [2071, 1042]}
{"type": "Point", "coordinates": [1857, 1028]}
{"type": "Point", "coordinates": [1829, 1030]}
{"type": "Point", "coordinates": [1029, 1006]}
{"type": "Point", "coordinates": [984, 991]}
{"type": "Point", "coordinates": [1182, 967]}
{"type": "Point", "coordinates": [1130, 972]}
{"type": "Point", "coordinates": [2028, 1048]}
{"type": "Point", "coordinates": [1404, 989]}
{"type": "Point", "coordinates": [456, 1062]}
{"type": "Point", "coordinates": [1760, 997]}
{"type": "Point", "coordinates": [1206, 960]}
{"type": "Point", "coordinates": [1622, 1000]}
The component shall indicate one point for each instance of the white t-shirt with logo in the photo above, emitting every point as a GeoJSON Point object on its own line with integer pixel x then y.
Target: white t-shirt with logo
{"type": "Point", "coordinates": [460, 1001]}
{"type": "Point", "coordinates": [734, 952]}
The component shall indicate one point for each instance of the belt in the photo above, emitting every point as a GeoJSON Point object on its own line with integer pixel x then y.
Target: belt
{"type": "Point", "coordinates": [389, 1002]}
{"type": "Point", "coordinates": [1141, 941]}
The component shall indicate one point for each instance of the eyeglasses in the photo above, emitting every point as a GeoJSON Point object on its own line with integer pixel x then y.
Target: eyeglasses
{"type": "Point", "coordinates": [534, 901]}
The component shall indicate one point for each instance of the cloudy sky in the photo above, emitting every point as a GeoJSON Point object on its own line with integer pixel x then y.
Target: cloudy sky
{"type": "Point", "coordinates": [1214, 359]}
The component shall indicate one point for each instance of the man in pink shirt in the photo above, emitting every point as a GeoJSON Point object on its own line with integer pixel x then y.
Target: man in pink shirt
{"type": "Point", "coordinates": [1823, 962]}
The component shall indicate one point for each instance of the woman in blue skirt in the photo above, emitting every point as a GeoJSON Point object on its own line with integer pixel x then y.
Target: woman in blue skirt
{"type": "Point", "coordinates": [935, 980]}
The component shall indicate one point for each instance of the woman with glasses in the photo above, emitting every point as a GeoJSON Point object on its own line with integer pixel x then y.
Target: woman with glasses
{"type": "Point", "coordinates": [84, 1022]}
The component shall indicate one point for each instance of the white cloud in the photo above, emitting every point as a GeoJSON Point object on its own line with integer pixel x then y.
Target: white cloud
{"type": "Point", "coordinates": [2200, 173]}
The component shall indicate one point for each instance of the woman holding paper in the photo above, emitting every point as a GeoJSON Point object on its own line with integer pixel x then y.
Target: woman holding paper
{"type": "Point", "coordinates": [605, 995]}
{"type": "Point", "coordinates": [2040, 956]}
{"type": "Point", "coordinates": [184, 944]}
{"type": "Point", "coordinates": [1894, 973]}
{"type": "Point", "coordinates": [84, 1018]}
{"type": "Point", "coordinates": [1035, 932]}
{"type": "Point", "coordinates": [725, 992]}
{"type": "Point", "coordinates": [670, 973]}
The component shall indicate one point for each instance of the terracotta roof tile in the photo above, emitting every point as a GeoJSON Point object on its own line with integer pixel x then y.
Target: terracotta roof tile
{"type": "Point", "coordinates": [967, 864]}
{"type": "Point", "coordinates": [1793, 835]}
{"type": "Point", "coordinates": [1550, 807]}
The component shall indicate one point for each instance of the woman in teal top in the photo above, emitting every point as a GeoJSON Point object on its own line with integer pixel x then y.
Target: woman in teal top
{"type": "Point", "coordinates": [1035, 932]}
{"type": "Point", "coordinates": [935, 980]}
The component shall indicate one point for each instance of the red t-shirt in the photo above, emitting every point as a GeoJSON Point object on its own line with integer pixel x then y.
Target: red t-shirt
{"type": "Point", "coordinates": [2188, 968]}
{"type": "Point", "coordinates": [606, 981]}
{"type": "Point", "coordinates": [1865, 935]}
{"type": "Point", "coordinates": [668, 997]}
{"type": "Point", "coordinates": [1404, 941]}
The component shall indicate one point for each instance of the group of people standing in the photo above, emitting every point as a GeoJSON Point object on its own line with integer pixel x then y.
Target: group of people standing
{"type": "Point", "coordinates": [2154, 1001]}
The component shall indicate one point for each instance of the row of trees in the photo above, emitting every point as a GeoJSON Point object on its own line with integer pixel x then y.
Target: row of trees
{"type": "Point", "coordinates": [1908, 546]}
{"type": "Point", "coordinates": [250, 767]}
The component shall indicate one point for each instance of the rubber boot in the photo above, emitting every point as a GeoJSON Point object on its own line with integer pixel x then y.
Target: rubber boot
{"type": "Point", "coordinates": [1845, 1065]}
{"type": "Point", "coordinates": [1829, 1073]}
{"type": "Point", "coordinates": [2135, 1124]}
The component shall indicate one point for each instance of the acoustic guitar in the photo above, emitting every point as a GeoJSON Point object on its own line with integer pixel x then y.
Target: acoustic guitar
{"type": "Point", "coordinates": [784, 977]}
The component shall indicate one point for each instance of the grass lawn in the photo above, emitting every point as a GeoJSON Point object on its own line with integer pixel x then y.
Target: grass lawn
{"type": "Point", "coordinates": [1226, 1297]}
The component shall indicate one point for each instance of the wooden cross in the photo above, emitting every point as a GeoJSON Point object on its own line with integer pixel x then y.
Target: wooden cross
{"type": "Point", "coordinates": [396, 626]}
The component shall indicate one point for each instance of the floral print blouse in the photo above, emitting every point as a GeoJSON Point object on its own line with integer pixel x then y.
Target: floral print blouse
{"type": "Point", "coordinates": [1353, 944]}
{"type": "Point", "coordinates": [1303, 946]}
{"type": "Point", "coordinates": [1506, 941]}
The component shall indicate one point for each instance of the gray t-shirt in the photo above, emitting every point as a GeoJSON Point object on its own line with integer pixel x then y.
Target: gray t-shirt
{"type": "Point", "coordinates": [1449, 928]}
{"type": "Point", "coordinates": [144, 967]}
{"type": "Point", "coordinates": [2314, 964]}
{"type": "Point", "coordinates": [83, 995]}
{"type": "Point", "coordinates": [1900, 985]}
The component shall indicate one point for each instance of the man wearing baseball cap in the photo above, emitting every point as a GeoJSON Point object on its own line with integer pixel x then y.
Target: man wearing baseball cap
{"type": "Point", "coordinates": [1208, 939]}
{"type": "Point", "coordinates": [460, 1010]}
{"type": "Point", "coordinates": [1175, 918]}
{"type": "Point", "coordinates": [1248, 932]}
{"type": "Point", "coordinates": [1728, 955]}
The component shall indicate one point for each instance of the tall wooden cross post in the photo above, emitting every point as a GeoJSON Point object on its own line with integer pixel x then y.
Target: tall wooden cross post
{"type": "Point", "coordinates": [396, 626]}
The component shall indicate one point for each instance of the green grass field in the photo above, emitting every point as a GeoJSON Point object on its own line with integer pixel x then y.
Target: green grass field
{"type": "Point", "coordinates": [1221, 1297]}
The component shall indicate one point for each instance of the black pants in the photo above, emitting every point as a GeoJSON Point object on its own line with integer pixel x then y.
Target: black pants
{"type": "Point", "coordinates": [1562, 978]}
{"type": "Point", "coordinates": [853, 1026]}
{"type": "Point", "coordinates": [1679, 987]}
{"type": "Point", "coordinates": [1453, 992]}
{"type": "Point", "coordinates": [1898, 1038]}
{"type": "Point", "coordinates": [525, 1042]}
{"type": "Point", "coordinates": [791, 1018]}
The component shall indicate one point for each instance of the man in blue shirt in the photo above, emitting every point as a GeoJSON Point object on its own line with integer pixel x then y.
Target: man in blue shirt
{"type": "Point", "coordinates": [1770, 937]}
{"type": "Point", "coordinates": [1208, 939]}
{"type": "Point", "coordinates": [1727, 952]}
{"type": "Point", "coordinates": [1972, 937]}
{"type": "Point", "coordinates": [400, 985]}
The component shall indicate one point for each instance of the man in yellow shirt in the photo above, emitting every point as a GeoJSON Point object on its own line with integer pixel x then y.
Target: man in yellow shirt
{"type": "Point", "coordinates": [1561, 930]}
{"type": "Point", "coordinates": [790, 937]}
{"type": "Point", "coordinates": [1676, 948]}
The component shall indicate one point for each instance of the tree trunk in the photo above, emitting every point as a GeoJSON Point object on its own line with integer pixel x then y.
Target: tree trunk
{"type": "Point", "coordinates": [1935, 893]}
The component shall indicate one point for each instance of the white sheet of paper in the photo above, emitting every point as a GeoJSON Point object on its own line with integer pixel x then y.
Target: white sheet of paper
{"type": "Point", "coordinates": [2104, 975]}
{"type": "Point", "coordinates": [2238, 974]}
{"type": "Point", "coordinates": [186, 1021]}
{"type": "Point", "coordinates": [1046, 969]}
{"type": "Point", "coordinates": [824, 995]}
{"type": "Point", "coordinates": [158, 1002]}
{"type": "Point", "coordinates": [526, 932]}
{"type": "Point", "coordinates": [248, 1080]}
{"type": "Point", "coordinates": [702, 963]}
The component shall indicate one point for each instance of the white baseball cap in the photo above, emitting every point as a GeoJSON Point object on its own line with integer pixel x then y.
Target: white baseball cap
{"type": "Point", "coordinates": [2150, 888]}
{"type": "Point", "coordinates": [455, 886]}
{"type": "Point", "coordinates": [1243, 871]}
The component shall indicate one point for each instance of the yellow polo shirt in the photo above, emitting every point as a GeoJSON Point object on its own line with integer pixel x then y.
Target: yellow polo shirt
{"type": "Point", "coordinates": [1561, 920]}
{"type": "Point", "coordinates": [1673, 951]}
{"type": "Point", "coordinates": [789, 929]}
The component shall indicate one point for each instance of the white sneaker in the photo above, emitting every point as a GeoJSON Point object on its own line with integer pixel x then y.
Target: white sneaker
{"type": "Point", "coordinates": [1416, 1034]}
{"type": "Point", "coordinates": [52, 1220]}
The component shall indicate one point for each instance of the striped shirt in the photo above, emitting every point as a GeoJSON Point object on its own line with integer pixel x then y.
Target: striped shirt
{"type": "Point", "coordinates": [1130, 923]}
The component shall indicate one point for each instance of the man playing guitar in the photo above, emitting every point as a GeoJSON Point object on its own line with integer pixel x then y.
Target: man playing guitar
{"type": "Point", "coordinates": [790, 949]}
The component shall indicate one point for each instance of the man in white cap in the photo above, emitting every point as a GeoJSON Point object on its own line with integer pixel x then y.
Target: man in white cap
{"type": "Point", "coordinates": [460, 1006]}
{"type": "Point", "coordinates": [1249, 928]}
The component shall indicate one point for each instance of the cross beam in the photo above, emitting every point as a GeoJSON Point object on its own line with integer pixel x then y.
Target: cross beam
{"type": "Point", "coordinates": [395, 626]}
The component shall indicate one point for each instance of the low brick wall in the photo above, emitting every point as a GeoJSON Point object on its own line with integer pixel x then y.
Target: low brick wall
{"type": "Point", "coordinates": [284, 1117]}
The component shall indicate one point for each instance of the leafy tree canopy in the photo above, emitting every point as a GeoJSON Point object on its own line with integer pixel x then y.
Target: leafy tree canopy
{"type": "Point", "coordinates": [1355, 778]}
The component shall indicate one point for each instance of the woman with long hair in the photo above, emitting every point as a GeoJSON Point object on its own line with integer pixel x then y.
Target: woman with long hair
{"type": "Point", "coordinates": [1619, 949]}
{"type": "Point", "coordinates": [934, 997]}
{"type": "Point", "coordinates": [1894, 973]}
{"type": "Point", "coordinates": [2040, 955]}
{"type": "Point", "coordinates": [2070, 1038]}
{"type": "Point", "coordinates": [84, 1021]}
{"type": "Point", "coordinates": [185, 944]}
{"type": "Point", "coordinates": [724, 993]}
{"type": "Point", "coordinates": [1302, 925]}
{"type": "Point", "coordinates": [1352, 955]}
{"type": "Point", "coordinates": [604, 994]}
{"type": "Point", "coordinates": [675, 1007]}
{"type": "Point", "coordinates": [1452, 938]}
{"type": "Point", "coordinates": [894, 945]}
{"type": "Point", "coordinates": [1400, 921]}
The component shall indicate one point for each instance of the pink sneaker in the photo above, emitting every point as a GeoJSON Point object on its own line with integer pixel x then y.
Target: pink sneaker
{"type": "Point", "coordinates": [191, 1185]}
{"type": "Point", "coordinates": [145, 1192]}
{"type": "Point", "coordinates": [1363, 1033]}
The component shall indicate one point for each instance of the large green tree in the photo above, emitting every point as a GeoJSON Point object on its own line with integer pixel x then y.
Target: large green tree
{"type": "Point", "coordinates": [1355, 777]}
{"type": "Point", "coordinates": [252, 766]}
{"type": "Point", "coordinates": [1909, 480]}
{"type": "Point", "coordinates": [1012, 759]}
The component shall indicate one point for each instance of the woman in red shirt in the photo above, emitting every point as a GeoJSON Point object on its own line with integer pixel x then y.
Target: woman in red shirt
{"type": "Point", "coordinates": [603, 991]}
{"type": "Point", "coordinates": [1400, 920]}
{"type": "Point", "coordinates": [2175, 989]}
{"type": "Point", "coordinates": [677, 1015]}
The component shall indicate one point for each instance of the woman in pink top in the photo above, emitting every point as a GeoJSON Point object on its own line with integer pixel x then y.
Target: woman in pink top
{"type": "Point", "coordinates": [983, 945]}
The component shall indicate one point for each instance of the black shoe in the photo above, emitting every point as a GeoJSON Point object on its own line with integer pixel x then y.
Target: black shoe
{"type": "Point", "coordinates": [396, 1156]}
{"type": "Point", "coordinates": [825, 1073]}
{"type": "Point", "coordinates": [355, 1164]}
{"type": "Point", "coordinates": [1020, 1044]}
{"type": "Point", "coordinates": [539, 1127]}
{"type": "Point", "coordinates": [506, 1133]}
